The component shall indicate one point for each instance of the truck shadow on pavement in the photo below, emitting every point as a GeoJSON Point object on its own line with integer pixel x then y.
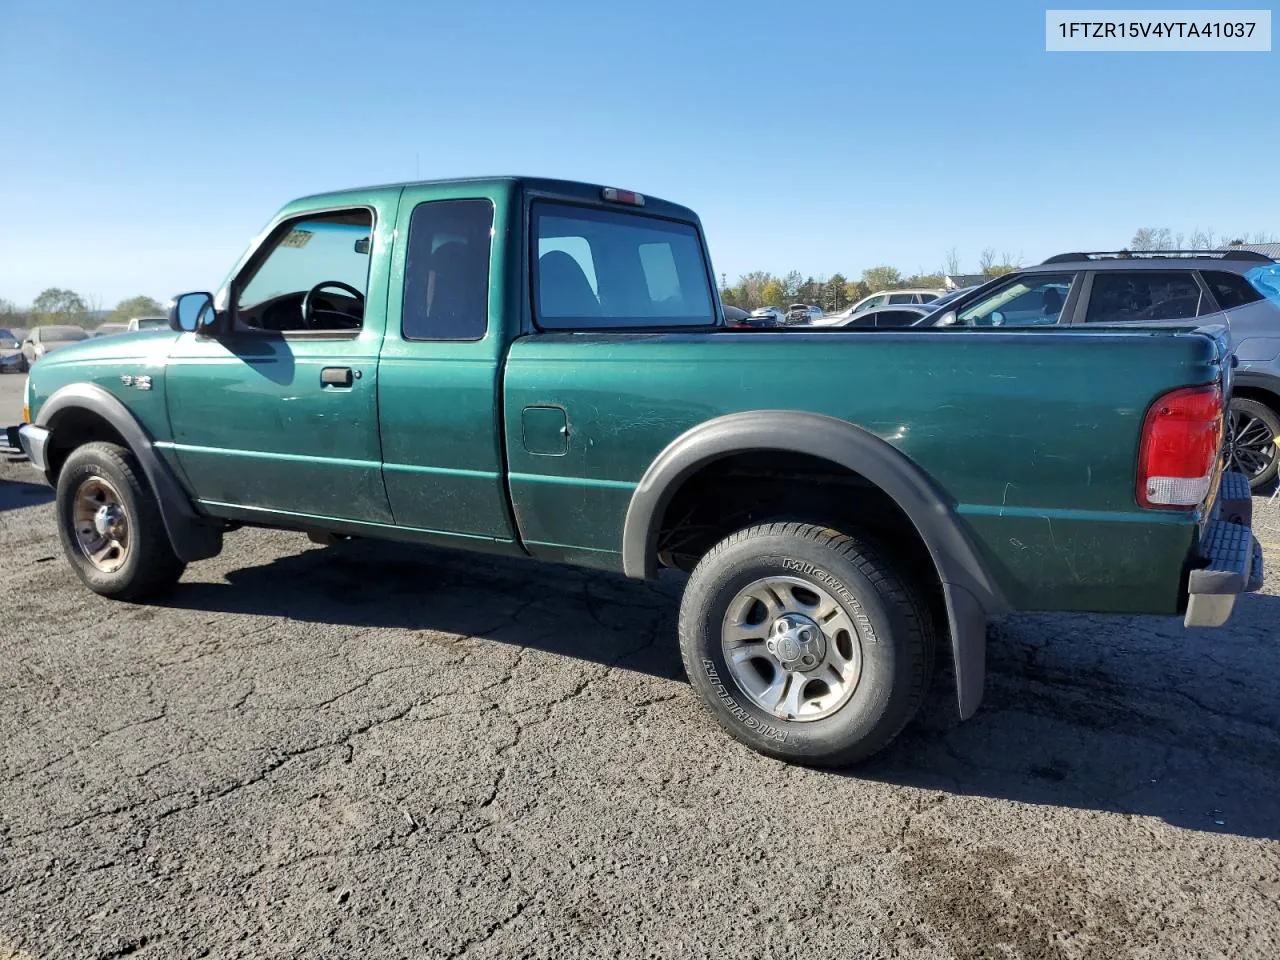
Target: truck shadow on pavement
{"type": "Point", "coordinates": [16, 494]}
{"type": "Point", "coordinates": [1128, 715]}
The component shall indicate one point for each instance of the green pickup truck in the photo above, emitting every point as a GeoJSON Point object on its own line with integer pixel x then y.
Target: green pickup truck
{"type": "Point", "coordinates": [541, 369]}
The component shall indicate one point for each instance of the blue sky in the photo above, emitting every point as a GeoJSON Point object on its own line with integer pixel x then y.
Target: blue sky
{"type": "Point", "coordinates": [142, 144]}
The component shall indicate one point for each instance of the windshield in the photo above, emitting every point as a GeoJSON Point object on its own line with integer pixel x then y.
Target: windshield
{"type": "Point", "coordinates": [152, 323]}
{"type": "Point", "coordinates": [604, 268]}
{"type": "Point", "coordinates": [50, 334]}
{"type": "Point", "coordinates": [6, 335]}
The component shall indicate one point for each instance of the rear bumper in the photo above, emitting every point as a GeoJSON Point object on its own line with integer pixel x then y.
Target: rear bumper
{"type": "Point", "coordinates": [34, 440]}
{"type": "Point", "coordinates": [1231, 557]}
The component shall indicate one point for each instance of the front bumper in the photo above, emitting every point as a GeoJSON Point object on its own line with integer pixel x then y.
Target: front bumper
{"type": "Point", "coordinates": [34, 440]}
{"type": "Point", "coordinates": [1231, 555]}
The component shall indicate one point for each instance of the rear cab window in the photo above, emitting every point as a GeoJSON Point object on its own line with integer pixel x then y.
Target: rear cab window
{"type": "Point", "coordinates": [607, 269]}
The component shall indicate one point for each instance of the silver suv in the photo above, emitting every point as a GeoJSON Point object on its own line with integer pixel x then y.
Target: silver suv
{"type": "Point", "coordinates": [1239, 287]}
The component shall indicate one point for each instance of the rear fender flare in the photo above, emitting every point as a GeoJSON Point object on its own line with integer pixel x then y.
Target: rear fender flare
{"type": "Point", "coordinates": [969, 590]}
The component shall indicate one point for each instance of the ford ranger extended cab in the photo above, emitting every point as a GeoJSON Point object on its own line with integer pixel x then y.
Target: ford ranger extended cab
{"type": "Point", "coordinates": [541, 368]}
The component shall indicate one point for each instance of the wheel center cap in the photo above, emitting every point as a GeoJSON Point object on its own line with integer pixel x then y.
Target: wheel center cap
{"type": "Point", "coordinates": [107, 519]}
{"type": "Point", "coordinates": [797, 642]}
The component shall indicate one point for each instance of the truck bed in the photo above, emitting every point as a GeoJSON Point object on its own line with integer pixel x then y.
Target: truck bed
{"type": "Point", "coordinates": [1031, 436]}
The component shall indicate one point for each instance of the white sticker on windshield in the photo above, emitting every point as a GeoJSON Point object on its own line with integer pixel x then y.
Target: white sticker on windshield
{"type": "Point", "coordinates": [296, 238]}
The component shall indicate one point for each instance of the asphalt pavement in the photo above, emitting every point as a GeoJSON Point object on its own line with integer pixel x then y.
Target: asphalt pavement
{"type": "Point", "coordinates": [373, 750]}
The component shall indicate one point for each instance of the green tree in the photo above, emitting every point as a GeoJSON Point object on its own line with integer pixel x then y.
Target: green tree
{"type": "Point", "coordinates": [791, 287]}
{"type": "Point", "coordinates": [138, 306]}
{"type": "Point", "coordinates": [882, 278]}
{"type": "Point", "coordinates": [855, 290]}
{"type": "Point", "coordinates": [56, 305]}
{"type": "Point", "coordinates": [934, 280]}
{"type": "Point", "coordinates": [834, 295]}
{"type": "Point", "coordinates": [751, 288]}
{"type": "Point", "coordinates": [773, 293]}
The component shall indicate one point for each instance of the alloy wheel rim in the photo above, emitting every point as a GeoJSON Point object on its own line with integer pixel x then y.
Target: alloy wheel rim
{"type": "Point", "coordinates": [791, 649]}
{"type": "Point", "coordinates": [1253, 446]}
{"type": "Point", "coordinates": [101, 524]}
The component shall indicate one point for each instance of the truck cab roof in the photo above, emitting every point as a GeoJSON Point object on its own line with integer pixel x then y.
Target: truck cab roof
{"type": "Point", "coordinates": [570, 190]}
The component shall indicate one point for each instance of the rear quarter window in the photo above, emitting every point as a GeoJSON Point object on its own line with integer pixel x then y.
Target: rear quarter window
{"type": "Point", "coordinates": [1230, 289]}
{"type": "Point", "coordinates": [602, 269]}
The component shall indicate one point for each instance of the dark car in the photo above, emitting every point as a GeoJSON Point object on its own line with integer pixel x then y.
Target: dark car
{"type": "Point", "coordinates": [11, 358]}
{"type": "Point", "coordinates": [1239, 287]}
{"type": "Point", "coordinates": [901, 315]}
{"type": "Point", "coordinates": [737, 317]}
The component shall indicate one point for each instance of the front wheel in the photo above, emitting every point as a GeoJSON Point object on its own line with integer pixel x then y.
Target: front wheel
{"type": "Point", "coordinates": [1254, 428]}
{"type": "Point", "coordinates": [110, 525]}
{"type": "Point", "coordinates": [805, 644]}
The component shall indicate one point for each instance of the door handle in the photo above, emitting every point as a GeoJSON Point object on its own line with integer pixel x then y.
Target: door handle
{"type": "Point", "coordinates": [336, 377]}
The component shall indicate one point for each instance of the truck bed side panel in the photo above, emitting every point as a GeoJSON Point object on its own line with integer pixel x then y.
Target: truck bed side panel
{"type": "Point", "coordinates": [1032, 435]}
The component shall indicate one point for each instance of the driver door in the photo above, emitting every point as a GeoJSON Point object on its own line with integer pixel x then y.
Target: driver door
{"type": "Point", "coordinates": [278, 415]}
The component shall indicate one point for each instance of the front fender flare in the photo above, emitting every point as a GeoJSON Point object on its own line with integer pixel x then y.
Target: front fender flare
{"type": "Point", "coordinates": [192, 536]}
{"type": "Point", "coordinates": [970, 592]}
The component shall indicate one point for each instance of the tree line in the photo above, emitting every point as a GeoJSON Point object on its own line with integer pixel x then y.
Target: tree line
{"type": "Point", "coordinates": [68, 308]}
{"type": "Point", "coordinates": [763, 289]}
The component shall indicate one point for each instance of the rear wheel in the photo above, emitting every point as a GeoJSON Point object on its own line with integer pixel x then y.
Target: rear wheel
{"type": "Point", "coordinates": [110, 525]}
{"type": "Point", "coordinates": [804, 643]}
{"type": "Point", "coordinates": [1254, 428]}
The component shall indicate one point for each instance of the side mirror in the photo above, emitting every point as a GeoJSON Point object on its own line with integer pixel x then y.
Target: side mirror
{"type": "Point", "coordinates": [192, 312]}
{"type": "Point", "coordinates": [948, 319]}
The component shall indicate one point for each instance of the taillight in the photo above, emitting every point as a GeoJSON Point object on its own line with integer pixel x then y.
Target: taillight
{"type": "Point", "coordinates": [1181, 436]}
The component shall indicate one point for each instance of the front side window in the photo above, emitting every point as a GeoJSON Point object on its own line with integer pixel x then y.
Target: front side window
{"type": "Point", "coordinates": [1120, 295]}
{"type": "Point", "coordinates": [607, 269]}
{"type": "Point", "coordinates": [312, 275]}
{"type": "Point", "coordinates": [1034, 300]}
{"type": "Point", "coordinates": [446, 272]}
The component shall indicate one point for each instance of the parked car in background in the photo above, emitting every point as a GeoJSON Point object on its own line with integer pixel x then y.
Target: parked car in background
{"type": "Point", "coordinates": [11, 358]}
{"type": "Point", "coordinates": [147, 323]}
{"type": "Point", "coordinates": [1238, 287]}
{"type": "Point", "coordinates": [903, 315]}
{"type": "Point", "coordinates": [884, 298]}
{"type": "Point", "coordinates": [773, 314]}
{"type": "Point", "coordinates": [107, 329]}
{"type": "Point", "coordinates": [802, 313]}
{"type": "Point", "coordinates": [739, 319]}
{"type": "Point", "coordinates": [45, 340]}
{"type": "Point", "coordinates": [891, 298]}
